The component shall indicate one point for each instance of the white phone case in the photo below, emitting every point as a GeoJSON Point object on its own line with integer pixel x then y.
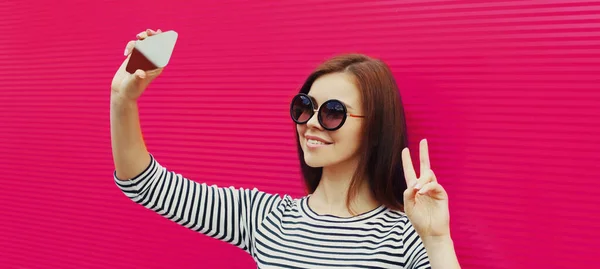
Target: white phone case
{"type": "Point", "coordinates": [152, 52]}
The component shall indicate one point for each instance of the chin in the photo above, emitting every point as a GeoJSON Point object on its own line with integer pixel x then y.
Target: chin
{"type": "Point", "coordinates": [314, 161]}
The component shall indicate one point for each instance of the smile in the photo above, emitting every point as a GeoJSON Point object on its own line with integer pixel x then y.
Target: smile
{"type": "Point", "coordinates": [315, 142]}
{"type": "Point", "coordinates": [311, 143]}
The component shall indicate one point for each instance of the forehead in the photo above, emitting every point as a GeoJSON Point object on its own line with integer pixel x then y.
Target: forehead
{"type": "Point", "coordinates": [336, 86]}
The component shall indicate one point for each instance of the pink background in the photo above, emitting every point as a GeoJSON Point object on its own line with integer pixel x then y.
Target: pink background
{"type": "Point", "coordinates": [506, 92]}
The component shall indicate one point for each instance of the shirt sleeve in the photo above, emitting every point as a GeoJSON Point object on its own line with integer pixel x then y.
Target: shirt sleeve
{"type": "Point", "coordinates": [226, 214]}
{"type": "Point", "coordinates": [415, 249]}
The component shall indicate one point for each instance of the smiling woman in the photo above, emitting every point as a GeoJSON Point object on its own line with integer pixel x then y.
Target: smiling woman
{"type": "Point", "coordinates": [359, 212]}
{"type": "Point", "coordinates": [369, 134]}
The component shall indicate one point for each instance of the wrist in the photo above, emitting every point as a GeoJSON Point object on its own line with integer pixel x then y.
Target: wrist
{"type": "Point", "coordinates": [438, 240]}
{"type": "Point", "coordinates": [120, 99]}
{"type": "Point", "coordinates": [441, 252]}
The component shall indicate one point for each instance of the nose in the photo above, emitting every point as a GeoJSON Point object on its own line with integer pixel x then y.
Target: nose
{"type": "Point", "coordinates": [313, 122]}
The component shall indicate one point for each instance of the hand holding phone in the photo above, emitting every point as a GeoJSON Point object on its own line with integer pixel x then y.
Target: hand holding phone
{"type": "Point", "coordinates": [146, 58]}
{"type": "Point", "coordinates": [152, 52]}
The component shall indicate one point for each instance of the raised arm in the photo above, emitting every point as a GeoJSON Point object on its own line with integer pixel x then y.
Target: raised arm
{"type": "Point", "coordinates": [130, 155]}
{"type": "Point", "coordinates": [426, 205]}
{"type": "Point", "coordinates": [227, 214]}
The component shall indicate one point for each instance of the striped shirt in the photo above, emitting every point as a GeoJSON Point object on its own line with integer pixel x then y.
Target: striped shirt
{"type": "Point", "coordinates": [279, 231]}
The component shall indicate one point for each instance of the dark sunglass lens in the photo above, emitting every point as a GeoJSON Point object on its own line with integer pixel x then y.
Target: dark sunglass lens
{"type": "Point", "coordinates": [332, 114]}
{"type": "Point", "coordinates": [301, 109]}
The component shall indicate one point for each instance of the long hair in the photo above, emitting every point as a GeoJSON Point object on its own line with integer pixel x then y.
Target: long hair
{"type": "Point", "coordinates": [384, 133]}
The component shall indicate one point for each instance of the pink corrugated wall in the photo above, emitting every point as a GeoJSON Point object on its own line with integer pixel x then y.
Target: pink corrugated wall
{"type": "Point", "coordinates": [506, 92]}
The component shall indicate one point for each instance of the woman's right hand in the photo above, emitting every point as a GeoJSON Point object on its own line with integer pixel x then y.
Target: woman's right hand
{"type": "Point", "coordinates": [131, 86]}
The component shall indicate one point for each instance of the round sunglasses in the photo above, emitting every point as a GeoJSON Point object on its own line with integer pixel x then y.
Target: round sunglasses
{"type": "Point", "coordinates": [331, 115]}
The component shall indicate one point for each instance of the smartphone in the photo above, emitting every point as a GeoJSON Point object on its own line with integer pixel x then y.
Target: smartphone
{"type": "Point", "coordinates": [152, 52]}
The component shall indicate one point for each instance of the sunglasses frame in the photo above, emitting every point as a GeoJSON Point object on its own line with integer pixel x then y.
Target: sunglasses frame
{"type": "Point", "coordinates": [318, 112]}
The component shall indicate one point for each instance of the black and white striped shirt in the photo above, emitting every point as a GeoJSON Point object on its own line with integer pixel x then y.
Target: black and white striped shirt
{"type": "Point", "coordinates": [279, 232]}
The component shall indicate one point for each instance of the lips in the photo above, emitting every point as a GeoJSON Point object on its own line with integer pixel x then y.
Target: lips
{"type": "Point", "coordinates": [317, 139]}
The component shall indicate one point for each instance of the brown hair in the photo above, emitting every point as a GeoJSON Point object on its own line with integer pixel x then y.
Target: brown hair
{"type": "Point", "coordinates": [384, 134]}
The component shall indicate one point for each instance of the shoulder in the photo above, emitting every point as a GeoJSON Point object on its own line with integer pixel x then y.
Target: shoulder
{"type": "Point", "coordinates": [412, 246]}
{"type": "Point", "coordinates": [405, 232]}
{"type": "Point", "coordinates": [401, 222]}
{"type": "Point", "coordinates": [289, 202]}
{"type": "Point", "coordinates": [267, 200]}
{"type": "Point", "coordinates": [397, 216]}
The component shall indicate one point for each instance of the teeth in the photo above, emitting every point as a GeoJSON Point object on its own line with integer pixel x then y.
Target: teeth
{"type": "Point", "coordinates": [315, 142]}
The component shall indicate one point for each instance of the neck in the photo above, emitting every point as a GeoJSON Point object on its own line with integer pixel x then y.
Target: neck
{"type": "Point", "coordinates": [332, 193]}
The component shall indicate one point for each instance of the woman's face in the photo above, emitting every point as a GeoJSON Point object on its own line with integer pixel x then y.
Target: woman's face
{"type": "Point", "coordinates": [324, 148]}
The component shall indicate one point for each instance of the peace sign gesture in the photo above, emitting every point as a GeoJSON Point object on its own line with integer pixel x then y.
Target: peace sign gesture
{"type": "Point", "coordinates": [425, 200]}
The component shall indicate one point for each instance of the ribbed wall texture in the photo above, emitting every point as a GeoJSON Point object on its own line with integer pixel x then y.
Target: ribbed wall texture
{"type": "Point", "coordinates": [506, 92]}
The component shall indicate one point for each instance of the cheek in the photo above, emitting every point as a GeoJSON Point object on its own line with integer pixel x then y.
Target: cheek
{"type": "Point", "coordinates": [300, 129]}
{"type": "Point", "coordinates": [348, 136]}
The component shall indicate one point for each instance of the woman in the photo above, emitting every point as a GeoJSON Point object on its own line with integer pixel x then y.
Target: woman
{"type": "Point", "coordinates": [353, 153]}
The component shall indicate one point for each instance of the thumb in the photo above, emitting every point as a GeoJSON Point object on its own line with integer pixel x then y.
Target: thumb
{"type": "Point", "coordinates": [139, 76]}
{"type": "Point", "coordinates": [410, 193]}
{"type": "Point", "coordinates": [133, 85]}
{"type": "Point", "coordinates": [139, 80]}
{"type": "Point", "coordinates": [145, 77]}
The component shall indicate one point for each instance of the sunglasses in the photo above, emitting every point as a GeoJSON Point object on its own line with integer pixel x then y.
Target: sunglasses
{"type": "Point", "coordinates": [331, 115]}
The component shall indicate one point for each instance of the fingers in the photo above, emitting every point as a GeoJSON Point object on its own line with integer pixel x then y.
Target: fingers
{"type": "Point", "coordinates": [129, 47]}
{"type": "Point", "coordinates": [147, 33]}
{"type": "Point", "coordinates": [409, 170]}
{"type": "Point", "coordinates": [433, 177]}
{"type": "Point", "coordinates": [147, 76]}
{"type": "Point", "coordinates": [425, 178]}
{"type": "Point", "coordinates": [141, 36]}
{"type": "Point", "coordinates": [428, 185]}
{"type": "Point", "coordinates": [154, 72]}
{"type": "Point", "coordinates": [424, 185]}
{"type": "Point", "coordinates": [434, 190]}
{"type": "Point", "coordinates": [409, 194]}
{"type": "Point", "coordinates": [424, 157]}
